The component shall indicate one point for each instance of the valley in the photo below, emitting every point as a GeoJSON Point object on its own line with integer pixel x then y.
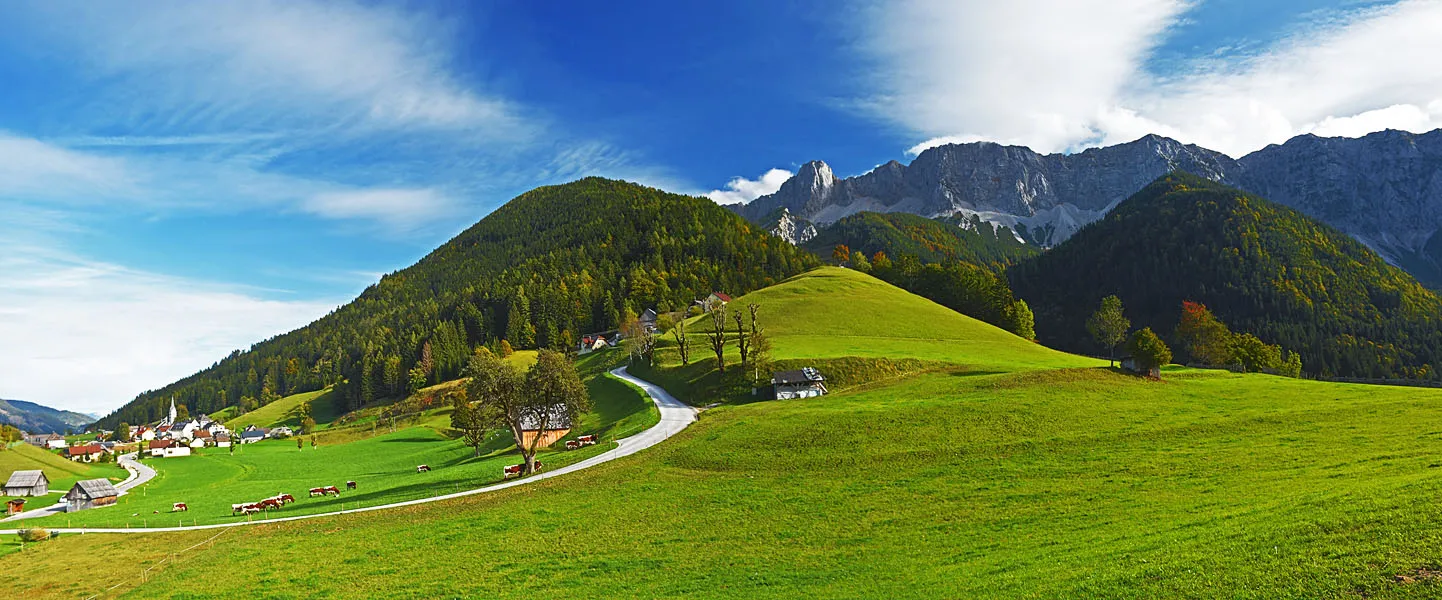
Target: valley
{"type": "Point", "coordinates": [994, 467]}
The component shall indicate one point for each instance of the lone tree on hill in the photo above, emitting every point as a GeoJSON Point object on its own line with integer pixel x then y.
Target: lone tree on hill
{"type": "Point", "coordinates": [1109, 326]}
{"type": "Point", "coordinates": [841, 253]}
{"type": "Point", "coordinates": [500, 396]}
{"type": "Point", "coordinates": [717, 336]}
{"type": "Point", "coordinates": [683, 343]}
{"type": "Point", "coordinates": [1148, 350]}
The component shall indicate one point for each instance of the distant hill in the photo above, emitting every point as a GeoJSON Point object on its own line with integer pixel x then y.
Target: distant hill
{"type": "Point", "coordinates": [1261, 267]}
{"type": "Point", "coordinates": [929, 240]}
{"type": "Point", "coordinates": [35, 418]}
{"type": "Point", "coordinates": [548, 266]}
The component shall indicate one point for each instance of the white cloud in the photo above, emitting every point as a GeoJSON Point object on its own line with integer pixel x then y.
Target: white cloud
{"type": "Point", "coordinates": [405, 209]}
{"type": "Point", "coordinates": [1029, 72]}
{"type": "Point", "coordinates": [89, 336]}
{"type": "Point", "coordinates": [247, 65]}
{"type": "Point", "coordinates": [1060, 75]}
{"type": "Point", "coordinates": [743, 190]}
{"type": "Point", "coordinates": [34, 168]}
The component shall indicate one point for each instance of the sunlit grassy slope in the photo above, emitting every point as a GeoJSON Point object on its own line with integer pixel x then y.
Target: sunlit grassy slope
{"type": "Point", "coordinates": [1015, 480]}
{"type": "Point", "coordinates": [835, 312]}
{"type": "Point", "coordinates": [61, 472]}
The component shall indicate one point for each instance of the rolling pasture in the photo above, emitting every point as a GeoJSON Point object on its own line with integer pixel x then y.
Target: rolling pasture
{"type": "Point", "coordinates": [997, 468]}
{"type": "Point", "coordinates": [383, 467]}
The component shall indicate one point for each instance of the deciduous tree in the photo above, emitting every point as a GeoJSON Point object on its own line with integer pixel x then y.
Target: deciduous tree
{"type": "Point", "coordinates": [683, 343]}
{"type": "Point", "coordinates": [1108, 325]}
{"type": "Point", "coordinates": [1148, 350]}
{"type": "Point", "coordinates": [717, 335]}
{"type": "Point", "coordinates": [1204, 337]}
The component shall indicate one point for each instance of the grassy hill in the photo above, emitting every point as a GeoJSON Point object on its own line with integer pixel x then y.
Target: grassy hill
{"type": "Point", "coordinates": [61, 472]}
{"type": "Point", "coordinates": [1261, 267]}
{"type": "Point", "coordinates": [1001, 470]}
{"type": "Point", "coordinates": [543, 269]}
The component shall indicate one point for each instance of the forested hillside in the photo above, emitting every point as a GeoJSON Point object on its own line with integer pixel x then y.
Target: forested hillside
{"type": "Point", "coordinates": [550, 265]}
{"type": "Point", "coordinates": [1263, 268]}
{"type": "Point", "coordinates": [929, 240]}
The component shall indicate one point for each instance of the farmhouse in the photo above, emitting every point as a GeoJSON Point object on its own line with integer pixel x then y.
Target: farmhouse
{"type": "Point", "coordinates": [46, 440]}
{"type": "Point", "coordinates": [598, 341]}
{"type": "Point", "coordinates": [715, 300]}
{"type": "Point", "coordinates": [27, 483]}
{"type": "Point", "coordinates": [804, 383]}
{"type": "Point", "coordinates": [168, 448]}
{"type": "Point", "coordinates": [91, 493]}
{"type": "Point", "coordinates": [648, 320]}
{"type": "Point", "coordinates": [557, 426]}
{"type": "Point", "coordinates": [85, 452]}
{"type": "Point", "coordinates": [252, 434]}
{"type": "Point", "coordinates": [222, 440]}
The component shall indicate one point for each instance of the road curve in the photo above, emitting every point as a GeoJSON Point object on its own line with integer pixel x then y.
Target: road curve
{"type": "Point", "coordinates": [675, 416]}
{"type": "Point", "coordinates": [139, 475]}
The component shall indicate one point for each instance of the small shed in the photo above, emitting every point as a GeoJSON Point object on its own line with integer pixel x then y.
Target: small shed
{"type": "Point", "coordinates": [91, 493]}
{"type": "Point", "coordinates": [558, 424]}
{"type": "Point", "coordinates": [1130, 364]}
{"type": "Point", "coordinates": [14, 506]}
{"type": "Point", "coordinates": [27, 483]}
{"type": "Point", "coordinates": [802, 383]}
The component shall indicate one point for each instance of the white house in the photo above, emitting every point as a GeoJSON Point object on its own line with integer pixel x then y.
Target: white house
{"type": "Point", "coordinates": [56, 444]}
{"type": "Point", "coordinates": [804, 383]}
{"type": "Point", "coordinates": [168, 448]}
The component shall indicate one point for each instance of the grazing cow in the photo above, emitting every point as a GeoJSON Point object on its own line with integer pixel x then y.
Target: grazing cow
{"type": "Point", "coordinates": [350, 485]}
{"type": "Point", "coordinates": [319, 491]}
{"type": "Point", "coordinates": [587, 440]}
{"type": "Point", "coordinates": [179, 507]}
{"type": "Point", "coordinates": [423, 468]}
{"type": "Point", "coordinates": [251, 509]}
{"type": "Point", "coordinates": [237, 508]}
{"type": "Point", "coordinates": [285, 498]}
{"type": "Point", "coordinates": [330, 489]}
{"type": "Point", "coordinates": [572, 444]}
{"type": "Point", "coordinates": [268, 504]}
{"type": "Point", "coordinates": [512, 471]}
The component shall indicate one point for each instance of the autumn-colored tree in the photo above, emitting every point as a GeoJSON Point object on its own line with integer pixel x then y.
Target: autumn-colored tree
{"type": "Point", "coordinates": [1204, 337]}
{"type": "Point", "coordinates": [841, 253]}
{"type": "Point", "coordinates": [880, 261]}
{"type": "Point", "coordinates": [506, 350]}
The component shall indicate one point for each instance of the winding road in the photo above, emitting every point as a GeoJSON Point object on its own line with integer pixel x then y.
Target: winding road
{"type": "Point", "coordinates": [675, 416]}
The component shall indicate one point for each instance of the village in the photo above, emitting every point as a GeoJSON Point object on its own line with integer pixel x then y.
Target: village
{"type": "Point", "coordinates": [178, 435]}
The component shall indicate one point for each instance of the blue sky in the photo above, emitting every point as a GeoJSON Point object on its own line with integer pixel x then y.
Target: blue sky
{"type": "Point", "coordinates": [180, 179]}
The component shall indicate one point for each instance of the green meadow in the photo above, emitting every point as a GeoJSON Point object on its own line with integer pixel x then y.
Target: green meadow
{"type": "Point", "coordinates": [970, 464]}
{"type": "Point", "coordinates": [383, 467]}
{"type": "Point", "coordinates": [62, 472]}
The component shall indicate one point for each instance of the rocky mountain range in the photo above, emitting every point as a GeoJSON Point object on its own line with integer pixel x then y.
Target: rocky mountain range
{"type": "Point", "coordinates": [1384, 189]}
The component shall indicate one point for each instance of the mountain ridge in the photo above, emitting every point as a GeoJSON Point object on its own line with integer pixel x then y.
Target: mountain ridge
{"type": "Point", "coordinates": [38, 418]}
{"type": "Point", "coordinates": [1385, 188]}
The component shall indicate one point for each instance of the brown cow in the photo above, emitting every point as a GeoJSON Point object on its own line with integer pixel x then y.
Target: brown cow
{"type": "Point", "coordinates": [350, 485]}
{"type": "Point", "coordinates": [179, 507]}
{"type": "Point", "coordinates": [423, 468]}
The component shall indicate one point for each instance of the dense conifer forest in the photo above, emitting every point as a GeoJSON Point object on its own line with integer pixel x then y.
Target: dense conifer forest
{"type": "Point", "coordinates": [1261, 267]}
{"type": "Point", "coordinates": [552, 264]}
{"type": "Point", "coordinates": [929, 240]}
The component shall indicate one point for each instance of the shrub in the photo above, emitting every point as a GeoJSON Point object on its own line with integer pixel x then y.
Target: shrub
{"type": "Point", "coordinates": [34, 534]}
{"type": "Point", "coordinates": [1148, 350]}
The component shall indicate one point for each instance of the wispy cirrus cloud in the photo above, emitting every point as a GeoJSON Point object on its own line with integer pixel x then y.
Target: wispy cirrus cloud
{"type": "Point", "coordinates": [1059, 75]}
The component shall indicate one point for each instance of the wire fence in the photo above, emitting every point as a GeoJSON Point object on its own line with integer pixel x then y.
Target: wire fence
{"type": "Point", "coordinates": [145, 575]}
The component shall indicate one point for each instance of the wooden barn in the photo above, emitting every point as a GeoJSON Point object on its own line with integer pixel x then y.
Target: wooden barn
{"type": "Point", "coordinates": [27, 483]}
{"type": "Point", "coordinates": [91, 493]}
{"type": "Point", "coordinates": [558, 424]}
